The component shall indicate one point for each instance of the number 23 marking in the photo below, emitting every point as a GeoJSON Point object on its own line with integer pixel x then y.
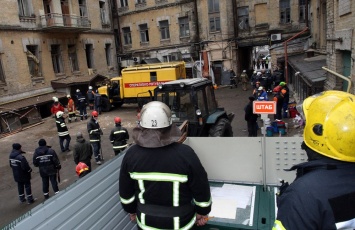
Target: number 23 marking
{"type": "Point", "coordinates": [154, 123]}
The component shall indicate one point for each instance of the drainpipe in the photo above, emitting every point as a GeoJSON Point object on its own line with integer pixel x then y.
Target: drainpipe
{"type": "Point", "coordinates": [341, 76]}
{"type": "Point", "coordinates": [285, 47]}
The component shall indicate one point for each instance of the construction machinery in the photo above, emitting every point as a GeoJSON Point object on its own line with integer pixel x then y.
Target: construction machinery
{"type": "Point", "coordinates": [137, 83]}
{"type": "Point", "coordinates": [193, 100]}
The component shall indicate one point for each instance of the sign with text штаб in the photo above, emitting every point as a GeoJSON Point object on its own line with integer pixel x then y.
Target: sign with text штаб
{"type": "Point", "coordinates": [264, 107]}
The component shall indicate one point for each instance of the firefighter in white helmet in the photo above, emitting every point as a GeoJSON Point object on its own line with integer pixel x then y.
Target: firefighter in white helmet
{"type": "Point", "coordinates": [323, 193]}
{"type": "Point", "coordinates": [160, 177]}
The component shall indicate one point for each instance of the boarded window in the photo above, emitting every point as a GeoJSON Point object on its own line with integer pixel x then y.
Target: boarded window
{"type": "Point", "coordinates": [261, 14]}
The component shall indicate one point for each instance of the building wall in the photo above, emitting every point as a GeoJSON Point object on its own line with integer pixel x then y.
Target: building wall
{"type": "Point", "coordinates": [341, 15]}
{"type": "Point", "coordinates": [16, 35]}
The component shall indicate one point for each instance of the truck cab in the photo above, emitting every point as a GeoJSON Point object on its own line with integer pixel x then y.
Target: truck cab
{"type": "Point", "coordinates": [194, 100]}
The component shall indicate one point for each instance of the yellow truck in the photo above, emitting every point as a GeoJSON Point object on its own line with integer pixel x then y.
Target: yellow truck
{"type": "Point", "coordinates": [136, 83]}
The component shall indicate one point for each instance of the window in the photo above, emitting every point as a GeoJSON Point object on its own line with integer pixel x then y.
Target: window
{"type": "Point", "coordinates": [25, 8]}
{"type": "Point", "coordinates": [82, 8]}
{"type": "Point", "coordinates": [285, 15]}
{"type": "Point", "coordinates": [89, 52]}
{"type": "Point", "coordinates": [2, 74]}
{"type": "Point", "coordinates": [215, 24]}
{"type": "Point", "coordinates": [124, 3]}
{"type": "Point", "coordinates": [164, 29]}
{"type": "Point", "coordinates": [127, 35]}
{"type": "Point", "coordinates": [108, 54]}
{"type": "Point", "coordinates": [73, 58]}
{"type": "Point", "coordinates": [303, 7]}
{"type": "Point", "coordinates": [184, 27]}
{"type": "Point", "coordinates": [33, 61]}
{"type": "Point", "coordinates": [56, 59]}
{"type": "Point", "coordinates": [214, 15]}
{"type": "Point", "coordinates": [213, 6]}
{"type": "Point", "coordinates": [103, 15]}
{"type": "Point", "coordinates": [243, 18]}
{"type": "Point", "coordinates": [144, 33]}
{"type": "Point", "coordinates": [140, 1]}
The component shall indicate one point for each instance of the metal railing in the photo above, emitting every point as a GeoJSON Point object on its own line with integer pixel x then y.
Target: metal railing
{"type": "Point", "coordinates": [64, 20]}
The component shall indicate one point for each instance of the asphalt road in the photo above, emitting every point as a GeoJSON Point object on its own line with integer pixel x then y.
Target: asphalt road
{"type": "Point", "coordinates": [233, 100]}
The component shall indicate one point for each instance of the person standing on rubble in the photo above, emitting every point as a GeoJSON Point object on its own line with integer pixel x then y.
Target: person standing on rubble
{"type": "Point", "coordinates": [162, 183]}
{"type": "Point", "coordinates": [323, 194]}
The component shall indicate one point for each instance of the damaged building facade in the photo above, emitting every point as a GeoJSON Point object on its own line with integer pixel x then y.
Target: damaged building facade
{"type": "Point", "coordinates": [49, 49]}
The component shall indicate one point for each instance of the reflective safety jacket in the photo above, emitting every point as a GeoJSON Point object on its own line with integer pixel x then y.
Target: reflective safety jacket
{"type": "Point", "coordinates": [61, 127]}
{"type": "Point", "coordinates": [321, 197]}
{"type": "Point", "coordinates": [164, 186]}
{"type": "Point", "coordinates": [94, 130]}
{"type": "Point", "coordinates": [118, 137]}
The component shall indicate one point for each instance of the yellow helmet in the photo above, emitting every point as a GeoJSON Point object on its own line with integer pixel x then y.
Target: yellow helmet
{"type": "Point", "coordinates": [330, 124]}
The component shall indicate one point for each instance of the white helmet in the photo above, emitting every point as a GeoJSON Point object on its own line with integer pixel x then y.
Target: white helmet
{"type": "Point", "coordinates": [244, 71]}
{"type": "Point", "coordinates": [68, 96]}
{"type": "Point", "coordinates": [155, 115]}
{"type": "Point", "coordinates": [59, 114]}
{"type": "Point", "coordinates": [55, 99]}
{"type": "Point", "coordinates": [90, 87]}
{"type": "Point", "coordinates": [78, 90]}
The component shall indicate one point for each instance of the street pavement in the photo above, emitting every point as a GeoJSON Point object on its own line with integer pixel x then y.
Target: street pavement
{"type": "Point", "coordinates": [233, 100]}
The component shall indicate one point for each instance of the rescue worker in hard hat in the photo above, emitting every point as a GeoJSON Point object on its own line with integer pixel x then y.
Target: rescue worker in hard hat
{"type": "Point", "coordinates": [71, 109]}
{"type": "Point", "coordinates": [57, 106]}
{"type": "Point", "coordinates": [82, 169]}
{"type": "Point", "coordinates": [95, 133]}
{"type": "Point", "coordinates": [162, 183]}
{"type": "Point", "coordinates": [119, 137]}
{"type": "Point", "coordinates": [323, 193]}
{"type": "Point", "coordinates": [63, 132]}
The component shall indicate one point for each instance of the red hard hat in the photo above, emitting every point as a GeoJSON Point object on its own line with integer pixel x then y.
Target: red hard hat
{"type": "Point", "coordinates": [94, 113]}
{"type": "Point", "coordinates": [81, 167]}
{"type": "Point", "coordinates": [117, 120]}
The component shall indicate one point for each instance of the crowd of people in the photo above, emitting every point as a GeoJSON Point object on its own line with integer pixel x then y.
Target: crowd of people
{"type": "Point", "coordinates": [163, 185]}
{"type": "Point", "coordinates": [266, 86]}
{"type": "Point", "coordinates": [45, 157]}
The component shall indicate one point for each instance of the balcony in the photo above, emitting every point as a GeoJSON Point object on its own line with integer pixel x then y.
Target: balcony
{"type": "Point", "coordinates": [64, 23]}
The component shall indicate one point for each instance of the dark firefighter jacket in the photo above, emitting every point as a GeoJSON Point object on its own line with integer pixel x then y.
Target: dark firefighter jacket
{"type": "Point", "coordinates": [47, 160]}
{"type": "Point", "coordinates": [321, 197]}
{"type": "Point", "coordinates": [161, 183]}
{"type": "Point", "coordinates": [81, 101]}
{"type": "Point", "coordinates": [94, 130]}
{"type": "Point", "coordinates": [20, 168]}
{"type": "Point", "coordinates": [61, 127]}
{"type": "Point", "coordinates": [82, 151]}
{"type": "Point", "coordinates": [118, 137]}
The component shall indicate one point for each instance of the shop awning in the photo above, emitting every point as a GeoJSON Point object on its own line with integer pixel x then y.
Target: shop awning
{"type": "Point", "coordinates": [29, 102]}
{"type": "Point", "coordinates": [310, 68]}
{"type": "Point", "coordinates": [77, 80]}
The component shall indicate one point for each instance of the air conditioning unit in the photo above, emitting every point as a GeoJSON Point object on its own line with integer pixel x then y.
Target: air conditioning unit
{"type": "Point", "coordinates": [136, 59]}
{"type": "Point", "coordinates": [275, 37]}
